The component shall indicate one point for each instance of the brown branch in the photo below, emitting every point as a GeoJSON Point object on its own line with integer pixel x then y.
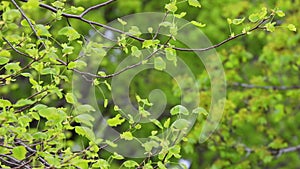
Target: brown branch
{"type": "Point", "coordinates": [42, 160]}
{"type": "Point", "coordinates": [226, 40]}
{"type": "Point", "coordinates": [274, 152]}
{"type": "Point", "coordinates": [251, 86]}
{"type": "Point", "coordinates": [96, 7]}
{"type": "Point", "coordinates": [28, 21]}
{"type": "Point", "coordinates": [142, 40]}
{"type": "Point", "coordinates": [15, 49]}
{"type": "Point", "coordinates": [15, 162]}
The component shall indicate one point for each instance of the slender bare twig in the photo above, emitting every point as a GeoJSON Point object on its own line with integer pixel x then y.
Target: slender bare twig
{"type": "Point", "coordinates": [28, 21]}
{"type": "Point", "coordinates": [268, 87]}
{"type": "Point", "coordinates": [96, 7]}
{"type": "Point", "coordinates": [159, 26]}
{"type": "Point", "coordinates": [42, 160]}
{"type": "Point", "coordinates": [15, 162]}
{"type": "Point", "coordinates": [48, 7]}
{"type": "Point", "coordinates": [15, 49]}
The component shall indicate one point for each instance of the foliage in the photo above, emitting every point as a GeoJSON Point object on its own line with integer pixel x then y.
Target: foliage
{"type": "Point", "coordinates": [45, 124]}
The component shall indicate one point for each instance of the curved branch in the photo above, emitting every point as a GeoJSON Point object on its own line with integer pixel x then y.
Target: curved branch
{"type": "Point", "coordinates": [79, 17]}
{"type": "Point", "coordinates": [251, 86]}
{"type": "Point", "coordinates": [96, 7]}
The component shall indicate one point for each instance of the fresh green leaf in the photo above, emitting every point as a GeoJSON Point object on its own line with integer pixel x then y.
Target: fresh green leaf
{"type": "Point", "coordinates": [117, 120]}
{"type": "Point", "coordinates": [194, 3]}
{"type": "Point", "coordinates": [159, 63]}
{"type": "Point", "coordinates": [127, 135]}
{"type": "Point", "coordinates": [19, 152]}
{"type": "Point", "coordinates": [198, 24]}
{"type": "Point", "coordinates": [292, 27]}
{"type": "Point", "coordinates": [70, 32]}
{"type": "Point", "coordinates": [86, 132]}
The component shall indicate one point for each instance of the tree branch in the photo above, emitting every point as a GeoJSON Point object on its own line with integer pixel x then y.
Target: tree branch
{"type": "Point", "coordinates": [28, 21]}
{"type": "Point", "coordinates": [251, 86]}
{"type": "Point", "coordinates": [96, 7]}
{"type": "Point", "coordinates": [79, 17]}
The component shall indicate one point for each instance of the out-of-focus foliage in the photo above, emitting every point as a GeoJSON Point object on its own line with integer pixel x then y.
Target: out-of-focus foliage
{"type": "Point", "coordinates": [40, 116]}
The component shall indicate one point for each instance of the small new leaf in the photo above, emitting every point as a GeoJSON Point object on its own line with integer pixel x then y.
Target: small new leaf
{"type": "Point", "coordinates": [159, 63]}
{"type": "Point", "coordinates": [117, 120]}
{"type": "Point", "coordinates": [238, 21]}
{"type": "Point", "coordinates": [198, 24]}
{"type": "Point", "coordinates": [292, 27]}
{"type": "Point", "coordinates": [126, 135]}
{"type": "Point", "coordinates": [194, 3]}
{"type": "Point", "coordinates": [19, 152]}
{"type": "Point", "coordinates": [171, 7]}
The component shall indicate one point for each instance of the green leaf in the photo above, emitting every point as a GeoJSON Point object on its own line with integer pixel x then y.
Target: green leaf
{"type": "Point", "coordinates": [167, 123]}
{"type": "Point", "coordinates": [70, 32]}
{"type": "Point", "coordinates": [292, 27]}
{"type": "Point", "coordinates": [86, 132]}
{"type": "Point", "coordinates": [110, 143]}
{"type": "Point", "coordinates": [194, 3]}
{"type": "Point", "coordinates": [70, 98]}
{"type": "Point", "coordinates": [5, 53]}
{"type": "Point", "coordinates": [254, 17]}
{"type": "Point", "coordinates": [278, 143]}
{"type": "Point", "coordinates": [159, 63]}
{"type": "Point", "coordinates": [40, 136]}
{"type": "Point", "coordinates": [149, 43]}
{"type": "Point", "coordinates": [270, 26]}
{"type": "Point", "coordinates": [19, 152]}
{"type": "Point", "coordinates": [23, 102]}
{"type": "Point", "coordinates": [157, 123]}
{"type": "Point", "coordinates": [101, 163]}
{"type": "Point", "coordinates": [127, 135]}
{"type": "Point", "coordinates": [161, 165]}
{"type": "Point", "coordinates": [76, 9]}
{"type": "Point", "coordinates": [181, 15]}
{"type": "Point", "coordinates": [200, 110]}
{"type": "Point", "coordinates": [135, 51]}
{"type": "Point", "coordinates": [3, 60]}
{"type": "Point", "coordinates": [53, 114]}
{"type": "Point", "coordinates": [84, 108]}
{"type": "Point", "coordinates": [181, 124]}
{"type": "Point", "coordinates": [149, 145]}
{"type": "Point", "coordinates": [24, 121]}
{"type": "Point", "coordinates": [171, 54]}
{"type": "Point", "coordinates": [67, 49]}
{"type": "Point", "coordinates": [179, 109]}
{"type": "Point", "coordinates": [105, 103]}
{"type": "Point", "coordinates": [117, 156]}
{"type": "Point", "coordinates": [130, 164]}
{"type": "Point", "coordinates": [166, 24]}
{"type": "Point", "coordinates": [5, 103]}
{"type": "Point", "coordinates": [85, 119]}
{"type": "Point", "coordinates": [280, 13]}
{"type": "Point", "coordinates": [42, 30]}
{"type": "Point", "coordinates": [117, 120]}
{"type": "Point", "coordinates": [171, 7]}
{"type": "Point", "coordinates": [58, 4]}
{"type": "Point", "coordinates": [48, 70]}
{"type": "Point", "coordinates": [198, 24]}
{"type": "Point", "coordinates": [14, 67]}
{"type": "Point", "coordinates": [31, 4]}
{"type": "Point", "coordinates": [122, 21]}
{"type": "Point", "coordinates": [134, 30]}
{"type": "Point", "coordinates": [11, 15]}
{"type": "Point", "coordinates": [238, 21]}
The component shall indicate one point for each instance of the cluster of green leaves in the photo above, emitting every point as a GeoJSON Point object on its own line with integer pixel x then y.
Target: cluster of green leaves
{"type": "Point", "coordinates": [43, 123]}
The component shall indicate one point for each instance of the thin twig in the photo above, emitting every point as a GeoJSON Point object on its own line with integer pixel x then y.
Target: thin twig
{"type": "Point", "coordinates": [15, 49]}
{"type": "Point", "coordinates": [28, 21]}
{"type": "Point", "coordinates": [96, 7]}
{"type": "Point", "coordinates": [252, 86]}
